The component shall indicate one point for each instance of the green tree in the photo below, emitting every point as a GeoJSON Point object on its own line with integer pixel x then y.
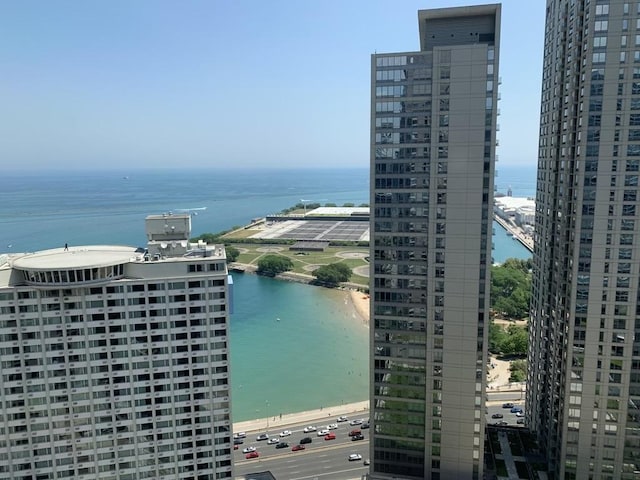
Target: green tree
{"type": "Point", "coordinates": [518, 370]}
{"type": "Point", "coordinates": [333, 274]}
{"type": "Point", "coordinates": [272, 265]}
{"type": "Point", "coordinates": [232, 253]}
{"type": "Point", "coordinates": [511, 288]}
{"type": "Point", "coordinates": [497, 336]}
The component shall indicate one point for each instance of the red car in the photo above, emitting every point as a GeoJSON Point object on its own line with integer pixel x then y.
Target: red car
{"type": "Point", "coordinates": [355, 432]}
{"type": "Point", "coordinates": [297, 447]}
{"type": "Point", "coordinates": [252, 455]}
{"type": "Point", "coordinates": [330, 436]}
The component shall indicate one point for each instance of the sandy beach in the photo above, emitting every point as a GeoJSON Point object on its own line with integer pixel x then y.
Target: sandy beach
{"type": "Point", "coordinates": [360, 302]}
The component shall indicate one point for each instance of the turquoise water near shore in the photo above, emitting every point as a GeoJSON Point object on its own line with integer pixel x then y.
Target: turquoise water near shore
{"type": "Point", "coordinates": [317, 354]}
{"type": "Point", "coordinates": [294, 347]}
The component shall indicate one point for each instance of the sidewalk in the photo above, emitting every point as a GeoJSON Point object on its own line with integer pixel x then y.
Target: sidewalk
{"type": "Point", "coordinates": [321, 416]}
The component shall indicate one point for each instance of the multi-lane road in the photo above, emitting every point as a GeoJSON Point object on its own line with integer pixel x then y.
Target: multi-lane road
{"type": "Point", "coordinates": [321, 459]}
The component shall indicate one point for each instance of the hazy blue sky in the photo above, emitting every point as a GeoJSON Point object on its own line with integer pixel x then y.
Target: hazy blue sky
{"type": "Point", "coordinates": [236, 83]}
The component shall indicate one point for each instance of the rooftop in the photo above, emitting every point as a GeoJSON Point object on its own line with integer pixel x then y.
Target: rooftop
{"type": "Point", "coordinates": [76, 257]}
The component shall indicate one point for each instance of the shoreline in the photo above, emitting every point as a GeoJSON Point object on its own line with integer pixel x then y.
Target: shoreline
{"type": "Point", "coordinates": [328, 414]}
{"type": "Point", "coordinates": [356, 302]}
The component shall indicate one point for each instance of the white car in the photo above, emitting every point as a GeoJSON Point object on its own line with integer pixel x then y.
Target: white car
{"type": "Point", "coordinates": [355, 422]}
{"type": "Point", "coordinates": [248, 449]}
{"type": "Point", "coordinates": [273, 440]}
{"type": "Point", "coordinates": [240, 435]}
{"type": "Point", "coordinates": [323, 432]}
{"type": "Point", "coordinates": [342, 419]}
{"type": "Point", "coordinates": [519, 414]}
{"type": "Point", "coordinates": [332, 426]}
{"type": "Point", "coordinates": [285, 433]}
{"type": "Point", "coordinates": [354, 457]}
{"type": "Point", "coordinates": [310, 428]}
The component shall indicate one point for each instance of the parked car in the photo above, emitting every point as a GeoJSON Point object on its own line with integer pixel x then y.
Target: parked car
{"type": "Point", "coordinates": [282, 445]}
{"type": "Point", "coordinates": [297, 447]}
{"type": "Point", "coordinates": [262, 436]}
{"type": "Point", "coordinates": [273, 440]}
{"type": "Point", "coordinates": [305, 440]}
{"type": "Point", "coordinates": [507, 405]}
{"type": "Point", "coordinates": [310, 428]}
{"type": "Point", "coordinates": [357, 437]}
{"type": "Point", "coordinates": [285, 433]}
{"type": "Point", "coordinates": [354, 432]}
{"type": "Point", "coordinates": [252, 455]}
{"type": "Point", "coordinates": [342, 419]}
{"type": "Point", "coordinates": [330, 436]}
{"type": "Point", "coordinates": [497, 415]}
{"type": "Point", "coordinates": [249, 449]}
{"type": "Point", "coordinates": [354, 457]}
{"type": "Point", "coordinates": [235, 447]}
{"type": "Point", "coordinates": [519, 414]}
{"type": "Point", "coordinates": [520, 421]}
{"type": "Point", "coordinates": [516, 410]}
{"type": "Point", "coordinates": [502, 423]}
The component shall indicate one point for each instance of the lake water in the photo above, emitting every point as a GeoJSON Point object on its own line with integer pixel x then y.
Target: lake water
{"type": "Point", "coordinates": [293, 347]}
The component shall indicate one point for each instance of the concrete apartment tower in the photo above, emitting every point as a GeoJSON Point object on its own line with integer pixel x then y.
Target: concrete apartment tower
{"type": "Point", "coordinates": [114, 360]}
{"type": "Point", "coordinates": [583, 387]}
{"type": "Point", "coordinates": [433, 138]}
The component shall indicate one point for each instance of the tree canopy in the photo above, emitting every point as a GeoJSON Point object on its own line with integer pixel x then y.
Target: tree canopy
{"type": "Point", "coordinates": [511, 288]}
{"type": "Point", "coordinates": [272, 265]}
{"type": "Point", "coordinates": [333, 274]}
{"type": "Point", "coordinates": [510, 341]}
{"type": "Point", "coordinates": [232, 253]}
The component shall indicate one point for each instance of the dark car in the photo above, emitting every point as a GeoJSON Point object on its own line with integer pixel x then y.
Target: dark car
{"type": "Point", "coordinates": [516, 410]}
{"type": "Point", "coordinates": [297, 447]}
{"type": "Point", "coordinates": [502, 423]}
{"type": "Point", "coordinates": [238, 441]}
{"type": "Point", "coordinates": [497, 415]}
{"type": "Point", "coordinates": [305, 440]}
{"type": "Point", "coordinates": [365, 425]}
{"type": "Point", "coordinates": [507, 405]}
{"type": "Point", "coordinates": [357, 437]}
{"type": "Point", "coordinates": [262, 436]}
{"type": "Point", "coordinates": [354, 432]}
{"type": "Point", "coordinates": [282, 445]}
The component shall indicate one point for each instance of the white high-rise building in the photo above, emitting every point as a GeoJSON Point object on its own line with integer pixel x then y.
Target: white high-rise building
{"type": "Point", "coordinates": [433, 138]}
{"type": "Point", "coordinates": [115, 360]}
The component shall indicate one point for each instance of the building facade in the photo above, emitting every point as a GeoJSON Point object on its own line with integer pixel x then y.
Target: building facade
{"type": "Point", "coordinates": [115, 360]}
{"type": "Point", "coordinates": [584, 351]}
{"type": "Point", "coordinates": [433, 137]}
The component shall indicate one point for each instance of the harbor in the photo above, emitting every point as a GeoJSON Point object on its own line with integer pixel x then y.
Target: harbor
{"type": "Point", "coordinates": [517, 232]}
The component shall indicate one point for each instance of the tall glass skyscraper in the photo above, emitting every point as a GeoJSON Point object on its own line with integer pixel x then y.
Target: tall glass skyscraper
{"type": "Point", "coordinates": [583, 387]}
{"type": "Point", "coordinates": [433, 137]}
{"type": "Point", "coordinates": [114, 360]}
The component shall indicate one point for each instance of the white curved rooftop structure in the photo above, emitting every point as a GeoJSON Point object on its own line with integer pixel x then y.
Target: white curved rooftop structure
{"type": "Point", "coordinates": [93, 256]}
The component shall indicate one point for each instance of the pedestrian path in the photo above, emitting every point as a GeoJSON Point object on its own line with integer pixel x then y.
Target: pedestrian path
{"type": "Point", "coordinates": [321, 415]}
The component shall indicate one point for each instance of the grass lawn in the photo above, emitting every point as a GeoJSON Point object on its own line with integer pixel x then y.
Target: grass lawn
{"type": "Point", "coordinates": [306, 262]}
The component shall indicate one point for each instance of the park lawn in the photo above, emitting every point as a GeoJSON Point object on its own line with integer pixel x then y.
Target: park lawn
{"type": "Point", "coordinates": [251, 254]}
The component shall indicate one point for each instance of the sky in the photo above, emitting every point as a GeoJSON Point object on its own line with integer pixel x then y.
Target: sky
{"type": "Point", "coordinates": [231, 83]}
